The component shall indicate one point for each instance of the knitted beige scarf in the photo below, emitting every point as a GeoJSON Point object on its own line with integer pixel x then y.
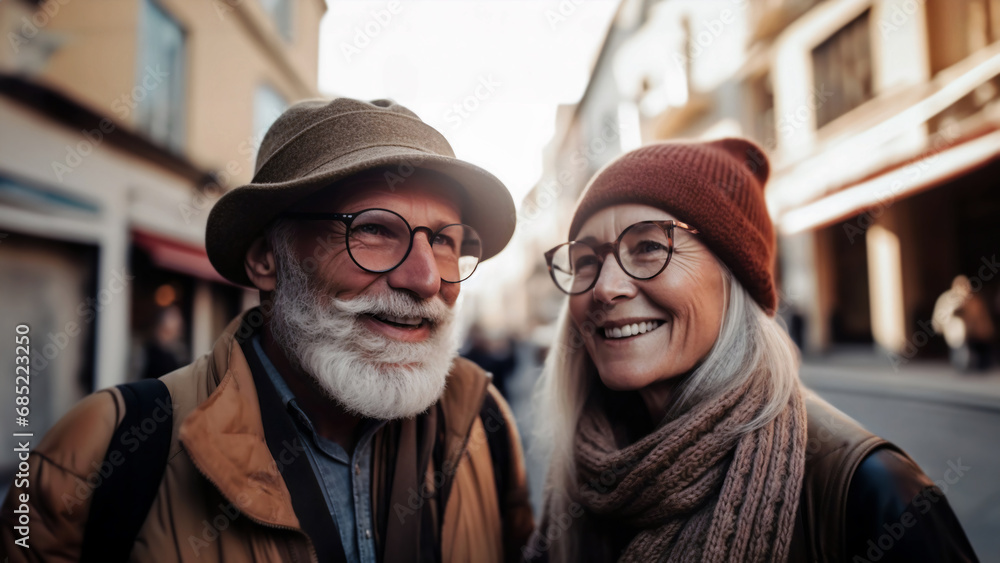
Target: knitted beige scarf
{"type": "Point", "coordinates": [693, 489]}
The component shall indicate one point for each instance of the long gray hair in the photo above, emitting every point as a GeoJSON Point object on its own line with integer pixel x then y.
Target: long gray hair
{"type": "Point", "coordinates": [749, 342]}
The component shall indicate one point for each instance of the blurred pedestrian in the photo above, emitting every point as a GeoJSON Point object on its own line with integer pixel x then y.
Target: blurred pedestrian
{"type": "Point", "coordinates": [494, 354]}
{"type": "Point", "coordinates": [963, 317]}
{"type": "Point", "coordinates": [165, 350]}
{"type": "Point", "coordinates": [679, 427]}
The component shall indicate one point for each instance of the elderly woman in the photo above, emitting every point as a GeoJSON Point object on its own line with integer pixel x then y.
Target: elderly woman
{"type": "Point", "coordinates": [679, 429]}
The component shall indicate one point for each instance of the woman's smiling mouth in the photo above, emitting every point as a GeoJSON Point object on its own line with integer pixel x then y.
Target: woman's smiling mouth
{"type": "Point", "coordinates": [619, 331]}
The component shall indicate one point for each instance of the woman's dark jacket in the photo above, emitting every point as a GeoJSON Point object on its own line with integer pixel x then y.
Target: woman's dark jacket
{"type": "Point", "coordinates": [863, 499]}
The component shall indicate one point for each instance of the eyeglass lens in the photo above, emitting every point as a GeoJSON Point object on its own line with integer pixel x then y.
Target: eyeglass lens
{"type": "Point", "coordinates": [644, 250]}
{"type": "Point", "coordinates": [379, 240]}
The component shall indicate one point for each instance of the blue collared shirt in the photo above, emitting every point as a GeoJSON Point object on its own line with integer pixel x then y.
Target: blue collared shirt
{"type": "Point", "coordinates": [347, 492]}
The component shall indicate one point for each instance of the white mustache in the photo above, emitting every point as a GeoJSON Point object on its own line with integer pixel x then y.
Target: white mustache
{"type": "Point", "coordinates": [395, 304]}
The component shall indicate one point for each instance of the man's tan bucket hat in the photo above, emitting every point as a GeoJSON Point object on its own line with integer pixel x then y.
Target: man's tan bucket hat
{"type": "Point", "coordinates": [316, 143]}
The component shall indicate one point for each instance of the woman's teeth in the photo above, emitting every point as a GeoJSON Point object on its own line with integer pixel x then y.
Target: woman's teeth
{"type": "Point", "coordinates": [407, 321]}
{"type": "Point", "coordinates": [630, 330]}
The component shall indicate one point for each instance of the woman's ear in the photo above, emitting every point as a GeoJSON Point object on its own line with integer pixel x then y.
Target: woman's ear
{"type": "Point", "coordinates": [261, 266]}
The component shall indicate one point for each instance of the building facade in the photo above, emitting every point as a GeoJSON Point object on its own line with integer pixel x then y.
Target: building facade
{"type": "Point", "coordinates": [122, 122]}
{"type": "Point", "coordinates": [880, 118]}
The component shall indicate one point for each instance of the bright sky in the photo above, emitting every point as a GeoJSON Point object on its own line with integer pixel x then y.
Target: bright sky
{"type": "Point", "coordinates": [487, 74]}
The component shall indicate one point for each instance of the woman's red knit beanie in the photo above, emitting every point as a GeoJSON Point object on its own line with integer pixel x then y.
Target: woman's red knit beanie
{"type": "Point", "coordinates": [717, 187]}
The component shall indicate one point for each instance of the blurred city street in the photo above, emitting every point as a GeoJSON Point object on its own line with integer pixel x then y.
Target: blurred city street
{"type": "Point", "coordinates": [124, 123]}
{"type": "Point", "coordinates": [942, 419]}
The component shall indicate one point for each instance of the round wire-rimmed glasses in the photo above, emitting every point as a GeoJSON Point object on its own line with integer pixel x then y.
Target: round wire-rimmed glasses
{"type": "Point", "coordinates": [379, 240]}
{"type": "Point", "coordinates": [642, 250]}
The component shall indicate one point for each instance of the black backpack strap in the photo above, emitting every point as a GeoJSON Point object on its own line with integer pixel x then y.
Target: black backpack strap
{"type": "Point", "coordinates": [134, 466]}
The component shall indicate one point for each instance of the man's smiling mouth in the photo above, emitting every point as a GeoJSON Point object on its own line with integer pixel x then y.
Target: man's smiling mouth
{"type": "Point", "coordinates": [401, 322]}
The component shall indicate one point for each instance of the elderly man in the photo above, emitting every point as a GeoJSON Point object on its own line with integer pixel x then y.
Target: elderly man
{"type": "Point", "coordinates": [334, 422]}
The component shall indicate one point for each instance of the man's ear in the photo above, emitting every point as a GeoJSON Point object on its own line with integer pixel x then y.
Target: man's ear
{"type": "Point", "coordinates": [261, 266]}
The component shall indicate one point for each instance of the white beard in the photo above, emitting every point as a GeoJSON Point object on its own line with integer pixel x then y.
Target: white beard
{"type": "Point", "coordinates": [367, 373]}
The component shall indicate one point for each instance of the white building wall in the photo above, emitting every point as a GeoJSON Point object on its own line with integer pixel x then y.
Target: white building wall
{"type": "Point", "coordinates": [128, 193]}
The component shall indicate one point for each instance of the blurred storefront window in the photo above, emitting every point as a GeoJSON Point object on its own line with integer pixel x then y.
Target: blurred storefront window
{"type": "Point", "coordinates": [50, 286]}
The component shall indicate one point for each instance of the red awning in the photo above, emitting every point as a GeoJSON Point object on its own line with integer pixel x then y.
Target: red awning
{"type": "Point", "coordinates": [177, 256]}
